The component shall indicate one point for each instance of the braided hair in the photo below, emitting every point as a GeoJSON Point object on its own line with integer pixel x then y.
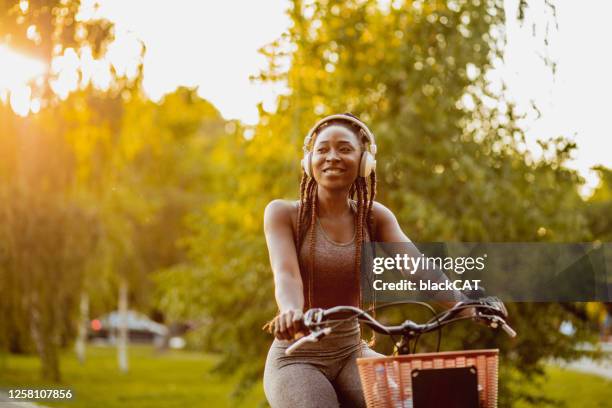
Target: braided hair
{"type": "Point", "coordinates": [359, 191]}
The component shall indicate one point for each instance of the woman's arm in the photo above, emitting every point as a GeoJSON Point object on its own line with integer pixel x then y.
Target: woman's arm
{"type": "Point", "coordinates": [387, 229]}
{"type": "Point", "coordinates": [288, 289]}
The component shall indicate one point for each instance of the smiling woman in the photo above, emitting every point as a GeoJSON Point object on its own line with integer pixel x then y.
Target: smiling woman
{"type": "Point", "coordinates": [315, 253]}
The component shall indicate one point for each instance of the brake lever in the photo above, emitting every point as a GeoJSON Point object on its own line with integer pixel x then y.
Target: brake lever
{"type": "Point", "coordinates": [496, 304]}
{"type": "Point", "coordinates": [495, 322]}
{"type": "Point", "coordinates": [313, 337]}
{"type": "Point", "coordinates": [313, 317]}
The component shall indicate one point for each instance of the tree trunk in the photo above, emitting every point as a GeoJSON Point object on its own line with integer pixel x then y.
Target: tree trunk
{"type": "Point", "coordinates": [122, 340]}
{"type": "Point", "coordinates": [42, 329]}
{"type": "Point", "coordinates": [83, 326]}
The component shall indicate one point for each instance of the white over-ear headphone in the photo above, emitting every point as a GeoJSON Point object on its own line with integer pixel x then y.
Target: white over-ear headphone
{"type": "Point", "coordinates": [367, 163]}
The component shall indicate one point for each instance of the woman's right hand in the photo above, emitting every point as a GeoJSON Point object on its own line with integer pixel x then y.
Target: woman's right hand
{"type": "Point", "coordinates": [289, 325]}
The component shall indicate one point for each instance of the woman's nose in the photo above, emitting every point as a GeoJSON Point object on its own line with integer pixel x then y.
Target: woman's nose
{"type": "Point", "coordinates": [332, 155]}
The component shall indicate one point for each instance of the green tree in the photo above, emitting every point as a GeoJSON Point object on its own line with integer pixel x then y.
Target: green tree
{"type": "Point", "coordinates": [41, 269]}
{"type": "Point", "coordinates": [600, 206]}
{"type": "Point", "coordinates": [58, 155]}
{"type": "Point", "coordinates": [451, 167]}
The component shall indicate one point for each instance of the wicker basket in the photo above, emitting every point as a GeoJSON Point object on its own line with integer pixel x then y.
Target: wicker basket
{"type": "Point", "coordinates": [387, 380]}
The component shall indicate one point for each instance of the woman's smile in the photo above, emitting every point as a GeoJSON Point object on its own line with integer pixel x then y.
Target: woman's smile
{"type": "Point", "coordinates": [331, 171]}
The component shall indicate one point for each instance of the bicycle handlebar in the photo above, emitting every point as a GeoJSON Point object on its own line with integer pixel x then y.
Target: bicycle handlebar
{"type": "Point", "coordinates": [490, 310]}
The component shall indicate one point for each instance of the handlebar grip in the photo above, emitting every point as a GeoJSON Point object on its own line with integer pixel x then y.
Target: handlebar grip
{"type": "Point", "coordinates": [311, 338]}
{"type": "Point", "coordinates": [509, 330]}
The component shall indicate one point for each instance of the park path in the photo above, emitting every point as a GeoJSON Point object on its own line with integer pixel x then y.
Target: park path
{"type": "Point", "coordinates": [586, 365]}
{"type": "Point", "coordinates": [5, 402]}
{"type": "Point", "coordinates": [602, 368]}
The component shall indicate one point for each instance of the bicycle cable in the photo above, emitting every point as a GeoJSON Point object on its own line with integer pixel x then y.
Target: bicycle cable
{"type": "Point", "coordinates": [439, 328]}
{"type": "Point", "coordinates": [437, 318]}
{"type": "Point", "coordinates": [410, 302]}
{"type": "Point", "coordinates": [386, 305]}
{"type": "Point", "coordinates": [439, 342]}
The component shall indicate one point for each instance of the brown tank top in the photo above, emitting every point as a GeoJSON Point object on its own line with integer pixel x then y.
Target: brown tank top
{"type": "Point", "coordinates": [335, 280]}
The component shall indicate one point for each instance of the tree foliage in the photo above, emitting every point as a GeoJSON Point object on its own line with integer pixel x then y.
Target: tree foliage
{"type": "Point", "coordinates": [452, 166]}
{"type": "Point", "coordinates": [600, 207]}
{"type": "Point", "coordinates": [95, 186]}
{"type": "Point", "coordinates": [105, 184]}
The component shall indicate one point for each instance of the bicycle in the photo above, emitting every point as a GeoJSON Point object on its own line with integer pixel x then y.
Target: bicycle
{"type": "Point", "coordinates": [468, 379]}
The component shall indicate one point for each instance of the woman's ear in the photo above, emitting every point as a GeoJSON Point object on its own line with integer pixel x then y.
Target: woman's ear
{"type": "Point", "coordinates": [364, 141]}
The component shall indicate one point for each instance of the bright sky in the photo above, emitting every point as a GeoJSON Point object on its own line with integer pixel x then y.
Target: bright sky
{"type": "Point", "coordinates": [213, 45]}
{"type": "Point", "coordinates": [576, 101]}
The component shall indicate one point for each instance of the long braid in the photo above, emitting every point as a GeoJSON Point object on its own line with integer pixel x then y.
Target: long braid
{"type": "Point", "coordinates": [371, 202]}
{"type": "Point", "coordinates": [371, 229]}
{"type": "Point", "coordinates": [359, 233]}
{"type": "Point", "coordinates": [365, 218]}
{"type": "Point", "coordinates": [305, 206]}
{"type": "Point", "coordinates": [308, 200]}
{"type": "Point", "coordinates": [313, 218]}
{"type": "Point", "coordinates": [300, 210]}
{"type": "Point", "coordinates": [312, 190]}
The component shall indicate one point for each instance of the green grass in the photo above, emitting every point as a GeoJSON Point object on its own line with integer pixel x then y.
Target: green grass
{"type": "Point", "coordinates": [183, 379]}
{"type": "Point", "coordinates": [575, 389]}
{"type": "Point", "coordinates": [170, 379]}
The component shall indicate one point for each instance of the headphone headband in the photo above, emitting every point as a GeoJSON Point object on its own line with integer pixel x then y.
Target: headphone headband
{"type": "Point", "coordinates": [349, 118]}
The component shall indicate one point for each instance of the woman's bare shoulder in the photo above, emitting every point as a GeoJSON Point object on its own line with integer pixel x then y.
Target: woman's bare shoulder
{"type": "Point", "coordinates": [384, 221]}
{"type": "Point", "coordinates": [281, 211]}
{"type": "Point", "coordinates": [381, 213]}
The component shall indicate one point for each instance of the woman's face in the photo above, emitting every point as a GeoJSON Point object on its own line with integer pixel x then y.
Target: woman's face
{"type": "Point", "coordinates": [335, 157]}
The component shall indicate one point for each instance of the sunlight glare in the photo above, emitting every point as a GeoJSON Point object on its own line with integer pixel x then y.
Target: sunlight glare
{"type": "Point", "coordinates": [20, 99]}
{"type": "Point", "coordinates": [17, 71]}
{"type": "Point", "coordinates": [124, 54]}
{"type": "Point", "coordinates": [87, 65]}
{"type": "Point", "coordinates": [101, 75]}
{"type": "Point", "coordinates": [66, 67]}
{"type": "Point", "coordinates": [88, 10]}
{"type": "Point", "coordinates": [35, 106]}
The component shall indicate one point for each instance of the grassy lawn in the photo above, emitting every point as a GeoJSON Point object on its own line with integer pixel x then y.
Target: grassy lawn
{"type": "Point", "coordinates": [577, 389]}
{"type": "Point", "coordinates": [182, 379]}
{"type": "Point", "coordinates": [171, 379]}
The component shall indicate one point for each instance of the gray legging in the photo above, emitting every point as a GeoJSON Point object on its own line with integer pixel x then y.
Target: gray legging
{"type": "Point", "coordinates": [322, 374]}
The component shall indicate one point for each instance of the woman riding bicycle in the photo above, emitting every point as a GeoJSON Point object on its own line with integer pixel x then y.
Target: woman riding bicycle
{"type": "Point", "coordinates": [315, 253]}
